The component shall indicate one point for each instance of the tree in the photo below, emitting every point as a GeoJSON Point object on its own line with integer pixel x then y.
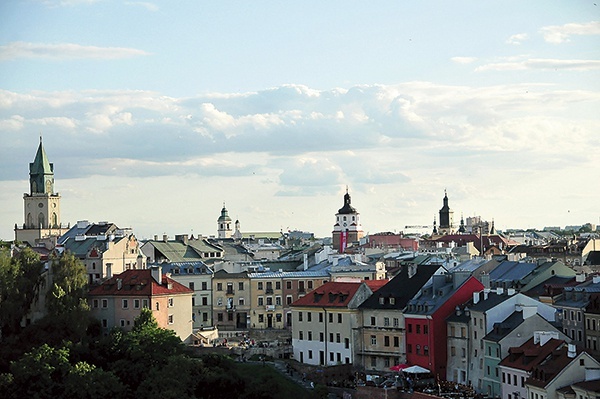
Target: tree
{"type": "Point", "coordinates": [20, 281]}
{"type": "Point", "coordinates": [69, 284]}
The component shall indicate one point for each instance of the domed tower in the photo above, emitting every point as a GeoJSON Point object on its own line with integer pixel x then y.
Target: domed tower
{"type": "Point", "coordinates": [41, 204]}
{"type": "Point", "coordinates": [224, 224]}
{"type": "Point", "coordinates": [446, 217]}
{"type": "Point", "coordinates": [347, 227]}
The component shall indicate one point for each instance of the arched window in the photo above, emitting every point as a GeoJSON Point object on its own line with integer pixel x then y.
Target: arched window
{"type": "Point", "coordinates": [157, 306]}
{"type": "Point", "coordinates": [41, 221]}
{"type": "Point", "coordinates": [54, 220]}
{"type": "Point", "coordinates": [29, 220]}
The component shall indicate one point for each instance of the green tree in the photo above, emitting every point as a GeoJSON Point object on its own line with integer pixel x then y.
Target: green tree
{"type": "Point", "coordinates": [20, 281]}
{"type": "Point", "coordinates": [69, 285]}
{"type": "Point", "coordinates": [86, 381]}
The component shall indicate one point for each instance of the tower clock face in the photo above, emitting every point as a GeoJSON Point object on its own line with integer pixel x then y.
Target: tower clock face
{"type": "Point", "coordinates": [345, 224]}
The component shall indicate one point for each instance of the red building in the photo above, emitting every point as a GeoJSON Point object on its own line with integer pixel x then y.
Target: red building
{"type": "Point", "coordinates": [425, 320]}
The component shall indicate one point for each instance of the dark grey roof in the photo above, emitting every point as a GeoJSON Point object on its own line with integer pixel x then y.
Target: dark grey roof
{"type": "Point", "coordinates": [503, 328]}
{"type": "Point", "coordinates": [401, 288]}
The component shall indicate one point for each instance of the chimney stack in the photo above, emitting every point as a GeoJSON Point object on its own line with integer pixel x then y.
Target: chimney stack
{"type": "Point", "coordinates": [157, 274]}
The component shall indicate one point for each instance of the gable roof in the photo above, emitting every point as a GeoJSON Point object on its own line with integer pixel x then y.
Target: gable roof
{"type": "Point", "coordinates": [530, 354]}
{"type": "Point", "coordinates": [544, 372]}
{"type": "Point", "coordinates": [138, 282]}
{"type": "Point", "coordinates": [401, 288]}
{"type": "Point", "coordinates": [331, 294]}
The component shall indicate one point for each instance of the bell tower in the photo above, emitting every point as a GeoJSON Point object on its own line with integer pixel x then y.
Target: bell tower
{"type": "Point", "coordinates": [347, 228]}
{"type": "Point", "coordinates": [224, 224]}
{"type": "Point", "coordinates": [41, 204]}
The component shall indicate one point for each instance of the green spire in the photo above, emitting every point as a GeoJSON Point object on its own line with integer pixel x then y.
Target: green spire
{"type": "Point", "coordinates": [41, 173]}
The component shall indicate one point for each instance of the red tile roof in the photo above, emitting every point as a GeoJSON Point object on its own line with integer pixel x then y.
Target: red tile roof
{"type": "Point", "coordinates": [139, 282]}
{"type": "Point", "coordinates": [529, 355]}
{"type": "Point", "coordinates": [331, 294]}
{"type": "Point", "coordinates": [374, 285]}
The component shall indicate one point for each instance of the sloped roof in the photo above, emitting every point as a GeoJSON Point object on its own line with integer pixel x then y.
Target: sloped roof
{"type": "Point", "coordinates": [545, 371]}
{"type": "Point", "coordinates": [530, 354]}
{"type": "Point", "coordinates": [511, 271]}
{"type": "Point", "coordinates": [401, 288]}
{"type": "Point", "coordinates": [178, 251]}
{"type": "Point", "coordinates": [139, 282]}
{"type": "Point", "coordinates": [331, 294]}
{"type": "Point", "coordinates": [81, 248]}
{"type": "Point", "coordinates": [503, 328]}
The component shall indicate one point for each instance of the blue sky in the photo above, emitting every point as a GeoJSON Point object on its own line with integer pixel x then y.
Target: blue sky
{"type": "Point", "coordinates": [154, 113]}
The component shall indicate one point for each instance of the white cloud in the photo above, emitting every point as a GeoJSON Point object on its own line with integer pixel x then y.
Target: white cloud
{"type": "Point", "coordinates": [540, 63]}
{"type": "Point", "coordinates": [557, 34]}
{"type": "Point", "coordinates": [59, 51]}
{"type": "Point", "coordinates": [517, 39]}
{"type": "Point", "coordinates": [463, 60]}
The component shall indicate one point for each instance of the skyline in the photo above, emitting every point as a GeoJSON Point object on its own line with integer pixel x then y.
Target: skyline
{"type": "Point", "coordinates": [154, 114]}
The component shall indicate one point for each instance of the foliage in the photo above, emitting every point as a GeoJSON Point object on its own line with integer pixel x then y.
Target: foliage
{"type": "Point", "coordinates": [69, 286]}
{"type": "Point", "coordinates": [20, 281]}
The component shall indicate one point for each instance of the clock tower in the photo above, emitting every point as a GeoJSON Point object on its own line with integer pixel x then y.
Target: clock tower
{"type": "Point", "coordinates": [41, 204]}
{"type": "Point", "coordinates": [347, 228]}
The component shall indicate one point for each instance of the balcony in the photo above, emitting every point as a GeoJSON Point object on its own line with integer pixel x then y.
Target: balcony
{"type": "Point", "coordinates": [270, 308]}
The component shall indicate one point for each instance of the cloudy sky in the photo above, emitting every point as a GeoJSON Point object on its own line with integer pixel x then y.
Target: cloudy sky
{"type": "Point", "coordinates": [154, 113]}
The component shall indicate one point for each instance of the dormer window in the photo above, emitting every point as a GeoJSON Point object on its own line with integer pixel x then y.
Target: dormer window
{"type": "Point", "coordinates": [381, 300]}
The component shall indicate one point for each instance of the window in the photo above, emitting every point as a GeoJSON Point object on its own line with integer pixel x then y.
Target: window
{"type": "Point", "coordinates": [392, 301]}
{"type": "Point", "coordinates": [338, 338]}
{"type": "Point", "coordinates": [347, 343]}
{"type": "Point", "coordinates": [260, 285]}
{"type": "Point", "coordinates": [464, 352]}
{"type": "Point", "coordinates": [289, 300]}
{"type": "Point", "coordinates": [269, 300]}
{"type": "Point", "coordinates": [122, 323]}
{"type": "Point", "coordinates": [125, 303]}
{"type": "Point", "coordinates": [308, 316]}
{"type": "Point", "coordinates": [310, 354]}
{"type": "Point", "coordinates": [241, 286]}
{"type": "Point", "coordinates": [277, 285]}
{"type": "Point", "coordinates": [105, 303]}
{"type": "Point", "coordinates": [309, 283]}
{"type": "Point", "coordinates": [95, 303]}
{"type": "Point", "coordinates": [219, 316]}
{"type": "Point", "coordinates": [104, 323]}
{"type": "Point", "coordinates": [204, 286]}
{"type": "Point", "coordinates": [396, 322]}
{"type": "Point", "coordinates": [396, 342]}
{"type": "Point", "coordinates": [191, 285]}
{"type": "Point", "coordinates": [386, 341]}
{"type": "Point", "coordinates": [373, 320]}
{"type": "Point", "coordinates": [170, 319]}
{"type": "Point", "coordinates": [321, 337]}
{"type": "Point", "coordinates": [310, 335]}
{"type": "Point", "coordinates": [425, 350]}
{"type": "Point", "coordinates": [463, 332]}
{"type": "Point", "coordinates": [320, 317]}
{"type": "Point", "coordinates": [330, 337]}
{"type": "Point", "coordinates": [386, 321]}
{"type": "Point", "coordinates": [373, 340]}
{"type": "Point", "coordinates": [409, 327]}
{"type": "Point", "coordinates": [339, 317]}
{"type": "Point", "coordinates": [145, 303]}
{"type": "Point", "coordinates": [331, 317]}
{"type": "Point", "coordinates": [452, 351]}
{"type": "Point", "coordinates": [300, 335]}
{"type": "Point", "coordinates": [408, 348]}
{"type": "Point", "coordinates": [241, 301]}
{"type": "Point", "coordinates": [261, 302]}
{"type": "Point", "coordinates": [331, 356]}
{"type": "Point", "coordinates": [339, 357]}
{"type": "Point", "coordinates": [299, 316]}
{"type": "Point", "coordinates": [157, 305]}
{"type": "Point", "coordinates": [288, 285]}
{"type": "Point", "coordinates": [418, 329]}
{"type": "Point", "coordinates": [204, 316]}
{"type": "Point", "coordinates": [219, 286]}
{"type": "Point", "coordinates": [136, 303]}
{"type": "Point", "coordinates": [522, 382]}
{"type": "Point", "coordinates": [170, 302]}
{"type": "Point", "coordinates": [418, 349]}
{"type": "Point", "coordinates": [278, 300]}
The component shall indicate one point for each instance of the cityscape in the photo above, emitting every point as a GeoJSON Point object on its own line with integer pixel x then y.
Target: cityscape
{"type": "Point", "coordinates": [465, 307]}
{"type": "Point", "coordinates": [308, 200]}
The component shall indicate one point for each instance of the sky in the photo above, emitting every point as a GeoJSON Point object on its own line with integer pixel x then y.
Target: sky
{"type": "Point", "coordinates": [156, 113]}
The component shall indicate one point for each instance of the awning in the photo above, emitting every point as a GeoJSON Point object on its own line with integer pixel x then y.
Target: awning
{"type": "Point", "coordinates": [415, 370]}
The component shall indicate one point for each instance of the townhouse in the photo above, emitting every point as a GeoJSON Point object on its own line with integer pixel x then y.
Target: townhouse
{"type": "Point", "coordinates": [119, 300]}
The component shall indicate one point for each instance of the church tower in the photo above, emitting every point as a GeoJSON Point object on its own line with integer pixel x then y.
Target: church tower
{"type": "Point", "coordinates": [446, 217]}
{"type": "Point", "coordinates": [224, 224]}
{"type": "Point", "coordinates": [347, 228]}
{"type": "Point", "coordinates": [41, 204]}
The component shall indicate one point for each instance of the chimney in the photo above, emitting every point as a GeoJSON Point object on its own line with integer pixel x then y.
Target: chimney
{"type": "Point", "coordinates": [500, 291]}
{"type": "Point", "coordinates": [305, 262]}
{"type": "Point", "coordinates": [596, 279]}
{"type": "Point", "coordinates": [510, 291]}
{"type": "Point", "coordinates": [580, 278]}
{"type": "Point", "coordinates": [486, 292]}
{"type": "Point", "coordinates": [108, 270]}
{"type": "Point", "coordinates": [155, 237]}
{"type": "Point", "coordinates": [157, 274]}
{"type": "Point", "coordinates": [476, 297]}
{"type": "Point", "coordinates": [542, 337]}
{"type": "Point", "coordinates": [165, 237]}
{"type": "Point", "coordinates": [119, 283]}
{"type": "Point", "coordinates": [571, 352]}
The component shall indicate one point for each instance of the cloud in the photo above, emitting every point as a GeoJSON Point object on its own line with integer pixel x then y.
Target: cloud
{"type": "Point", "coordinates": [540, 63]}
{"type": "Point", "coordinates": [60, 51]}
{"type": "Point", "coordinates": [517, 39]}
{"type": "Point", "coordinates": [557, 34]}
{"type": "Point", "coordinates": [463, 60]}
